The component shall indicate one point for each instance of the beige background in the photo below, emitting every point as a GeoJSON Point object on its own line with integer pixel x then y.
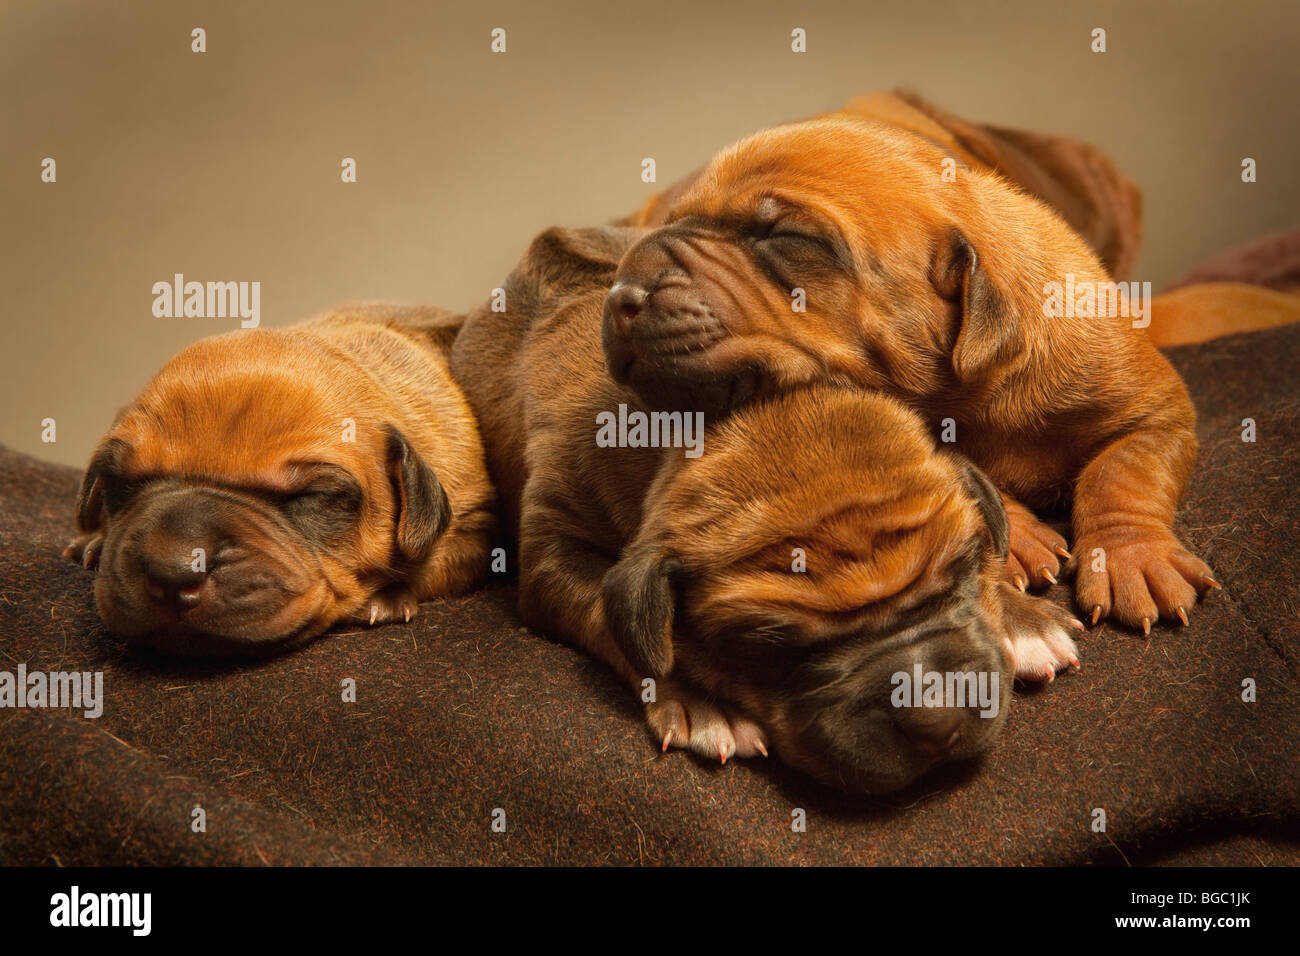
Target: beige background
{"type": "Point", "coordinates": [225, 165]}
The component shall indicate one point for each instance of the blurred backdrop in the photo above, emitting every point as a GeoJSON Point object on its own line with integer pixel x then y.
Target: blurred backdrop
{"type": "Point", "coordinates": [225, 165]}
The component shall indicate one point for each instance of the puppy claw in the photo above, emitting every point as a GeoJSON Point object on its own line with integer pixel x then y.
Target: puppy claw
{"type": "Point", "coordinates": [1211, 582]}
{"type": "Point", "coordinates": [1096, 614]}
{"type": "Point", "coordinates": [85, 550]}
{"type": "Point", "coordinates": [1077, 624]}
{"type": "Point", "coordinates": [1019, 582]}
{"type": "Point", "coordinates": [1063, 552]}
{"type": "Point", "coordinates": [1146, 626]}
{"type": "Point", "coordinates": [393, 603]}
{"type": "Point", "coordinates": [1182, 615]}
{"type": "Point", "coordinates": [1047, 574]}
{"type": "Point", "coordinates": [683, 718]}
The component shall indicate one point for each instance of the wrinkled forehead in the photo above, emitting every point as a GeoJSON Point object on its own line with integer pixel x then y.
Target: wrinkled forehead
{"type": "Point", "coordinates": [827, 574]}
{"type": "Point", "coordinates": [833, 165]}
{"type": "Point", "coordinates": [250, 426]}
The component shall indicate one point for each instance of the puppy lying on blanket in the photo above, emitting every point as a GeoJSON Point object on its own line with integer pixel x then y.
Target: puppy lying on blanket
{"type": "Point", "coordinates": [267, 484]}
{"type": "Point", "coordinates": [837, 251]}
{"type": "Point", "coordinates": [774, 572]}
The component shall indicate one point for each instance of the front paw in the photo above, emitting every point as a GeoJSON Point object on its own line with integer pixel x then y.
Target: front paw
{"type": "Point", "coordinates": [393, 603]}
{"type": "Point", "coordinates": [681, 717]}
{"type": "Point", "coordinates": [85, 550]}
{"type": "Point", "coordinates": [1138, 575]}
{"type": "Point", "coordinates": [1036, 550]}
{"type": "Point", "coordinates": [1038, 635]}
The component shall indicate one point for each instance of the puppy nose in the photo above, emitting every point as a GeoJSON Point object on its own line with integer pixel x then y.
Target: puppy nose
{"type": "Point", "coordinates": [624, 304]}
{"type": "Point", "coordinates": [934, 730]}
{"type": "Point", "coordinates": [172, 583]}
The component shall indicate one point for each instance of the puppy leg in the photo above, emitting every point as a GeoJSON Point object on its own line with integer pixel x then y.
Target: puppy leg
{"type": "Point", "coordinates": [458, 564]}
{"type": "Point", "coordinates": [1129, 564]}
{"type": "Point", "coordinates": [561, 581]}
{"type": "Point", "coordinates": [460, 561]}
{"type": "Point", "coordinates": [1036, 550]}
{"type": "Point", "coordinates": [1037, 632]}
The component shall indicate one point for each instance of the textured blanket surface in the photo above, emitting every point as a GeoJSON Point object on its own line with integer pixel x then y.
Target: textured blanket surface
{"type": "Point", "coordinates": [463, 713]}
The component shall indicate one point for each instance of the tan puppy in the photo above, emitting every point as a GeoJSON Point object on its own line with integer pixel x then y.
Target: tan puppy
{"type": "Point", "coordinates": [773, 573]}
{"type": "Point", "coordinates": [267, 484]}
{"type": "Point", "coordinates": [836, 251]}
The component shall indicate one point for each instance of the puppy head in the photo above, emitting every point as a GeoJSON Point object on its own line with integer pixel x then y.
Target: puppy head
{"type": "Point", "coordinates": [833, 251]}
{"type": "Point", "coordinates": [819, 549]}
{"type": "Point", "coordinates": [238, 512]}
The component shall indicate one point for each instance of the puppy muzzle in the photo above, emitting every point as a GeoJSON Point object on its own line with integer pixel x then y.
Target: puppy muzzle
{"type": "Point", "coordinates": [198, 570]}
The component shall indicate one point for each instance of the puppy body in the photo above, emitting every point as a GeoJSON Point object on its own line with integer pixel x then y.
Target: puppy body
{"type": "Point", "coordinates": [687, 570]}
{"type": "Point", "coordinates": [938, 293]}
{"type": "Point", "coordinates": [269, 483]}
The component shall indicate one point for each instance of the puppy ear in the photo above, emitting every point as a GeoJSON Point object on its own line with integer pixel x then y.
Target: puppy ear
{"type": "Point", "coordinates": [1080, 182]}
{"type": "Point", "coordinates": [640, 601]}
{"type": "Point", "coordinates": [422, 506]}
{"type": "Point", "coordinates": [989, 501]}
{"type": "Point", "coordinates": [988, 333]}
{"type": "Point", "coordinates": [107, 460]}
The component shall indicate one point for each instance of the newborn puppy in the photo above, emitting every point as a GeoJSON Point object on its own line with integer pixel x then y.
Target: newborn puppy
{"type": "Point", "coordinates": [837, 251]}
{"type": "Point", "coordinates": [773, 574]}
{"type": "Point", "coordinates": [267, 484]}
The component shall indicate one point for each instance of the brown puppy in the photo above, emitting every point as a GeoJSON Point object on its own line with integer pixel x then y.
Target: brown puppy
{"type": "Point", "coordinates": [1076, 179]}
{"type": "Point", "coordinates": [773, 574]}
{"type": "Point", "coordinates": [267, 484]}
{"type": "Point", "coordinates": [835, 251]}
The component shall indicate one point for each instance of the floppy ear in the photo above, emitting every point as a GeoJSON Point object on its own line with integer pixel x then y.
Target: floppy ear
{"type": "Point", "coordinates": [989, 501]}
{"type": "Point", "coordinates": [639, 602]}
{"type": "Point", "coordinates": [989, 333]}
{"type": "Point", "coordinates": [1080, 182]}
{"type": "Point", "coordinates": [422, 506]}
{"type": "Point", "coordinates": [108, 459]}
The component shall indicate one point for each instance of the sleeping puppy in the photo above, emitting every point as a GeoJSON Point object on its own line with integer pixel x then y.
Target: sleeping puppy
{"type": "Point", "coordinates": [1079, 182]}
{"type": "Point", "coordinates": [772, 574]}
{"type": "Point", "coordinates": [267, 484]}
{"type": "Point", "coordinates": [835, 251]}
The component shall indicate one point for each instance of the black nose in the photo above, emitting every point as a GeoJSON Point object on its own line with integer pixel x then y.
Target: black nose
{"type": "Point", "coordinates": [624, 304]}
{"type": "Point", "coordinates": [934, 730]}
{"type": "Point", "coordinates": [173, 582]}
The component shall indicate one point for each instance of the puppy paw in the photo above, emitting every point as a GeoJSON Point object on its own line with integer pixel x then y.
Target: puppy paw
{"type": "Point", "coordinates": [1036, 550]}
{"type": "Point", "coordinates": [393, 603]}
{"type": "Point", "coordinates": [1038, 634]}
{"type": "Point", "coordinates": [680, 717]}
{"type": "Point", "coordinates": [84, 550]}
{"type": "Point", "coordinates": [1138, 576]}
